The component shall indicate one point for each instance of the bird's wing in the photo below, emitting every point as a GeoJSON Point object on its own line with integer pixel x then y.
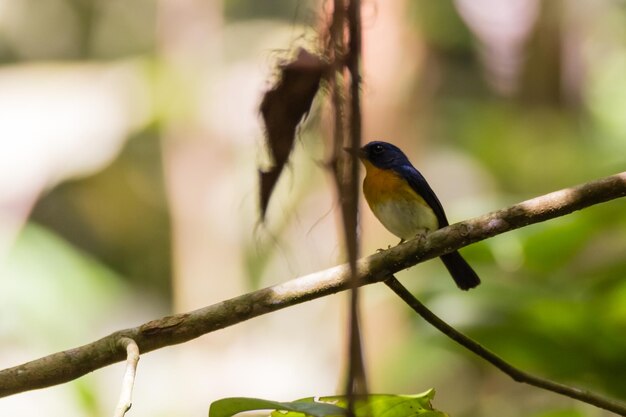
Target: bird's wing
{"type": "Point", "coordinates": [417, 181]}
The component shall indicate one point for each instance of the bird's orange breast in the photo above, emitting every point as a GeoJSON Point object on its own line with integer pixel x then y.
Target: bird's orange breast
{"type": "Point", "coordinates": [382, 185]}
{"type": "Point", "coordinates": [396, 204]}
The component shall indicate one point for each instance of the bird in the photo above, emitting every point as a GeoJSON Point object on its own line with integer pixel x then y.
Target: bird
{"type": "Point", "coordinates": [403, 201]}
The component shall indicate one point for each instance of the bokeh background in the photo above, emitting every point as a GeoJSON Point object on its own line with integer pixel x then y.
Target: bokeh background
{"type": "Point", "coordinates": [129, 147]}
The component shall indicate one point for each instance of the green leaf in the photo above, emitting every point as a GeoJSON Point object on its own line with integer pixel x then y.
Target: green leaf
{"type": "Point", "coordinates": [384, 405]}
{"type": "Point", "coordinates": [375, 405]}
{"type": "Point", "coordinates": [227, 407]}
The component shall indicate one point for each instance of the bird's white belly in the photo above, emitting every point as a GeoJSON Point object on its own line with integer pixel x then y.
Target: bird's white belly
{"type": "Point", "coordinates": [405, 219]}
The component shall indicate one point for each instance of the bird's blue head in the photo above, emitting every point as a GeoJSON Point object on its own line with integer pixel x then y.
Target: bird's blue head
{"type": "Point", "coordinates": [383, 155]}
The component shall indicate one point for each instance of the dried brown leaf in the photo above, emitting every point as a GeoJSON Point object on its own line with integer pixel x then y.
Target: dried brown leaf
{"type": "Point", "coordinates": [283, 108]}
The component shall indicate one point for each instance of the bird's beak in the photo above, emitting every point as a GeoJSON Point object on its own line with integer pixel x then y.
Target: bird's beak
{"type": "Point", "coordinates": [358, 152]}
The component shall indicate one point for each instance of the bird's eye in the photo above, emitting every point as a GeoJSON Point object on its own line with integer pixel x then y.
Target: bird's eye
{"type": "Point", "coordinates": [377, 149]}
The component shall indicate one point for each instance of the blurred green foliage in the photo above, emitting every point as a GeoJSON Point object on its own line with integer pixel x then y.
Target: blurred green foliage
{"type": "Point", "coordinates": [119, 214]}
{"type": "Point", "coordinates": [453, 37]}
{"type": "Point", "coordinates": [77, 29]}
{"type": "Point", "coordinates": [54, 287]}
{"type": "Point", "coordinates": [300, 11]}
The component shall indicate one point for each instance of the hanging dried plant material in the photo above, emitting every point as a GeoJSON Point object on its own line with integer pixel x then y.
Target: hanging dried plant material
{"type": "Point", "coordinates": [283, 108]}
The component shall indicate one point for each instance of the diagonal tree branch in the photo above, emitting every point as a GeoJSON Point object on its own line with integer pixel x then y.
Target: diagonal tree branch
{"type": "Point", "coordinates": [515, 373]}
{"type": "Point", "coordinates": [70, 364]}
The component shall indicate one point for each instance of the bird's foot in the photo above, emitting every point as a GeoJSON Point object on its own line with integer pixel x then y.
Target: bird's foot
{"type": "Point", "coordinates": [421, 236]}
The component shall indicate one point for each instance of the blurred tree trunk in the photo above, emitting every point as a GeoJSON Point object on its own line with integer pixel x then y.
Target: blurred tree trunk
{"type": "Point", "coordinates": [189, 39]}
{"type": "Point", "coordinates": [542, 75]}
{"type": "Point", "coordinates": [86, 12]}
{"type": "Point", "coordinates": [388, 70]}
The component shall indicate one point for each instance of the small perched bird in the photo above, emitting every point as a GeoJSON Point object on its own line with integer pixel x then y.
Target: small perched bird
{"type": "Point", "coordinates": [405, 204]}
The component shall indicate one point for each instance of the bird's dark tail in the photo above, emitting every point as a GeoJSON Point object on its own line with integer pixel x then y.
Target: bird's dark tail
{"type": "Point", "coordinates": [461, 272]}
